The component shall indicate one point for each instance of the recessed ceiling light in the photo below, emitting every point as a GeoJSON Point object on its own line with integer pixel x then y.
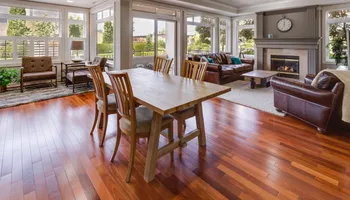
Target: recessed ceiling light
{"type": "Point", "coordinates": [70, 1]}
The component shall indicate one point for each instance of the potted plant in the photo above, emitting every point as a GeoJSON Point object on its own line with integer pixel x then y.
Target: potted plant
{"type": "Point", "coordinates": [8, 76]}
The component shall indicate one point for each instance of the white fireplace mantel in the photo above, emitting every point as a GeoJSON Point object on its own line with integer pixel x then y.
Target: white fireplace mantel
{"type": "Point", "coordinates": [287, 43]}
{"type": "Point", "coordinates": [310, 44]}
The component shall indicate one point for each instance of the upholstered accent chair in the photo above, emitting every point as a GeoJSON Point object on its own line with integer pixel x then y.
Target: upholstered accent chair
{"type": "Point", "coordinates": [37, 69]}
{"type": "Point", "coordinates": [76, 75]}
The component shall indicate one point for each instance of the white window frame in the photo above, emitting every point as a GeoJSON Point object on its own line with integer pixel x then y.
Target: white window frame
{"type": "Point", "coordinates": [327, 21]}
{"type": "Point", "coordinates": [227, 32]}
{"type": "Point", "coordinates": [84, 37]}
{"type": "Point", "coordinates": [240, 27]}
{"type": "Point", "coordinates": [102, 20]}
{"type": "Point", "coordinates": [15, 39]}
{"type": "Point", "coordinates": [211, 25]}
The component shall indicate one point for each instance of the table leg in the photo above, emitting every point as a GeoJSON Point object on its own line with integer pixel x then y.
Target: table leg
{"type": "Point", "coordinates": [200, 124]}
{"type": "Point", "coordinates": [152, 147]}
{"type": "Point", "coordinates": [252, 83]}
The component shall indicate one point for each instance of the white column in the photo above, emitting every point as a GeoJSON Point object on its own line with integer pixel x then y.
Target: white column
{"type": "Point", "coordinates": [216, 42]}
{"type": "Point", "coordinates": [122, 34]}
{"type": "Point", "coordinates": [181, 41]}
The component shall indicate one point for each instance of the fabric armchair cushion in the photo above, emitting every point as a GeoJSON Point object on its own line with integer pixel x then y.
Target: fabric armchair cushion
{"type": "Point", "coordinates": [39, 76]}
{"type": "Point", "coordinates": [36, 64]}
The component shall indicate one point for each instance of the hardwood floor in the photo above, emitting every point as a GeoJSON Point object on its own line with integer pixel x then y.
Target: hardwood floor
{"type": "Point", "coordinates": [46, 152]}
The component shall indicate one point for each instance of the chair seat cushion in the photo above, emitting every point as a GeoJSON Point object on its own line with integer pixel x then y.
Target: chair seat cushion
{"type": "Point", "coordinates": [79, 76]}
{"type": "Point", "coordinates": [143, 122]}
{"type": "Point", "coordinates": [39, 76]}
{"type": "Point", "coordinates": [112, 105]}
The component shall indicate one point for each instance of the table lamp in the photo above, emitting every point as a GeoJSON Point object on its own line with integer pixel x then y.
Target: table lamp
{"type": "Point", "coordinates": [77, 46]}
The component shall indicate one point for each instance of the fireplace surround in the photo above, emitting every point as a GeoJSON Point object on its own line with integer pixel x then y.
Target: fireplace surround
{"type": "Point", "coordinates": [306, 48]}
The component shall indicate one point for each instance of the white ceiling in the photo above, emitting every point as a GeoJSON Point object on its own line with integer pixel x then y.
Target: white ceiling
{"type": "Point", "coordinates": [76, 3]}
{"type": "Point", "coordinates": [223, 7]}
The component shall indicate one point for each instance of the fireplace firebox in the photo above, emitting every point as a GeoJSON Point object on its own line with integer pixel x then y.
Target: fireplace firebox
{"type": "Point", "coordinates": [287, 64]}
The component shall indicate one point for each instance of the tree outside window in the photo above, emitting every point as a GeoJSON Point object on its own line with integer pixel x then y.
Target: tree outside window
{"type": "Point", "coordinates": [246, 37]}
{"type": "Point", "coordinates": [105, 40]}
{"type": "Point", "coordinates": [337, 45]}
{"type": "Point", "coordinates": [199, 36]}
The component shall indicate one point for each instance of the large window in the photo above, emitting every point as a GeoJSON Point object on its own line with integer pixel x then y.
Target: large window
{"type": "Point", "coordinates": [77, 32]}
{"type": "Point", "coordinates": [338, 21]}
{"type": "Point", "coordinates": [199, 34]}
{"type": "Point", "coordinates": [245, 38]}
{"type": "Point", "coordinates": [26, 32]}
{"type": "Point", "coordinates": [104, 38]}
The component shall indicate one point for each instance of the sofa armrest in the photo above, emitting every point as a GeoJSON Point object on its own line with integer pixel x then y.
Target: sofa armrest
{"type": "Point", "coordinates": [214, 67]}
{"type": "Point", "coordinates": [303, 91]}
{"type": "Point", "coordinates": [248, 61]}
{"type": "Point", "coordinates": [309, 78]}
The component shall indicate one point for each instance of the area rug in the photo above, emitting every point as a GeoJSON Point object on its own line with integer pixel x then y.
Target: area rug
{"type": "Point", "coordinates": [41, 92]}
{"type": "Point", "coordinates": [259, 98]}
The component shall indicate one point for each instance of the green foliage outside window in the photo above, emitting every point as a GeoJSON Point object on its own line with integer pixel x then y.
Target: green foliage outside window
{"type": "Point", "coordinates": [337, 37]}
{"type": "Point", "coordinates": [19, 27]}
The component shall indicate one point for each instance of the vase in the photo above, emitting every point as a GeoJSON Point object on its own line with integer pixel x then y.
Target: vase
{"type": "Point", "coordinates": [3, 88]}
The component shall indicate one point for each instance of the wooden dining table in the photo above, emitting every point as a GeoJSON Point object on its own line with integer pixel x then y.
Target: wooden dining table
{"type": "Point", "coordinates": [166, 94]}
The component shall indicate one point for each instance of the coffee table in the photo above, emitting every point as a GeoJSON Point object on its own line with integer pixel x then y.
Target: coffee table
{"type": "Point", "coordinates": [263, 75]}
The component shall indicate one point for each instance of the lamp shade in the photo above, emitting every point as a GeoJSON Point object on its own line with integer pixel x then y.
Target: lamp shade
{"type": "Point", "coordinates": [77, 45]}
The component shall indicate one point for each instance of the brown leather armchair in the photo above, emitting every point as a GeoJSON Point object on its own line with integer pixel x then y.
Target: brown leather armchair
{"type": "Point", "coordinates": [319, 106]}
{"type": "Point", "coordinates": [37, 69]}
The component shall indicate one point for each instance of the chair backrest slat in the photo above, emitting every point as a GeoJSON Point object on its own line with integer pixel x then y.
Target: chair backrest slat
{"type": "Point", "coordinates": [124, 95]}
{"type": "Point", "coordinates": [162, 64]}
{"type": "Point", "coordinates": [99, 82]}
{"type": "Point", "coordinates": [194, 70]}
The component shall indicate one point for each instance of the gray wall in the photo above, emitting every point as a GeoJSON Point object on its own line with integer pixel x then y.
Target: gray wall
{"type": "Point", "coordinates": [305, 23]}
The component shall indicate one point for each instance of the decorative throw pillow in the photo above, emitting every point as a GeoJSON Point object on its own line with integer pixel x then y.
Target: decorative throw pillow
{"type": "Point", "coordinates": [327, 81]}
{"type": "Point", "coordinates": [210, 60]}
{"type": "Point", "coordinates": [236, 61]}
{"type": "Point", "coordinates": [229, 59]}
{"type": "Point", "coordinates": [204, 59]}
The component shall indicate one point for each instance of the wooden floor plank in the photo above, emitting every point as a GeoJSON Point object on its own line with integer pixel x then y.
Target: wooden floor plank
{"type": "Point", "coordinates": [46, 152]}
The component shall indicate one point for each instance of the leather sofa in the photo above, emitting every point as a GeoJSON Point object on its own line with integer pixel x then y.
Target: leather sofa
{"type": "Point", "coordinates": [37, 69]}
{"type": "Point", "coordinates": [319, 106]}
{"type": "Point", "coordinates": [220, 72]}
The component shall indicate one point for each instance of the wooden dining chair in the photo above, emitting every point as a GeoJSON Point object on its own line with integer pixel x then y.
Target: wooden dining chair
{"type": "Point", "coordinates": [105, 103]}
{"type": "Point", "coordinates": [133, 121]}
{"type": "Point", "coordinates": [162, 64]}
{"type": "Point", "coordinates": [196, 71]}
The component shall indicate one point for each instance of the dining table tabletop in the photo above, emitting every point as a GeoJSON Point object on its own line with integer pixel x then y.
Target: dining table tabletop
{"type": "Point", "coordinates": [166, 94]}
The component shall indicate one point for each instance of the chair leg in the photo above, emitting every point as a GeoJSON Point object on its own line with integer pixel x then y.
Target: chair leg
{"type": "Point", "coordinates": [21, 86]}
{"type": "Point", "coordinates": [119, 134]}
{"type": "Point", "coordinates": [100, 120]}
{"type": "Point", "coordinates": [132, 157]}
{"type": "Point", "coordinates": [56, 82]}
{"type": "Point", "coordinates": [179, 131]}
{"type": "Point", "coordinates": [171, 138]}
{"type": "Point", "coordinates": [184, 124]}
{"type": "Point", "coordinates": [104, 129]}
{"type": "Point", "coordinates": [95, 120]}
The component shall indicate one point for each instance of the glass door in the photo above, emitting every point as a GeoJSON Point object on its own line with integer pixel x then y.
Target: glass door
{"type": "Point", "coordinates": [143, 42]}
{"type": "Point", "coordinates": [166, 41]}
